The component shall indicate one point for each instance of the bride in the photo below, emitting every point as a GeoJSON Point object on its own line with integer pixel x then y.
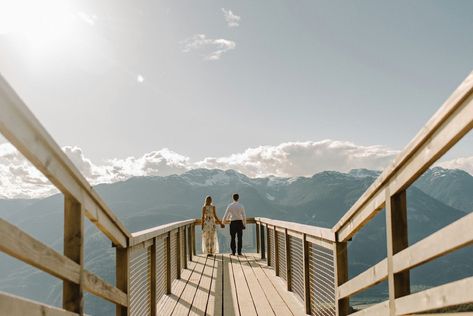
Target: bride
{"type": "Point", "coordinates": [209, 231]}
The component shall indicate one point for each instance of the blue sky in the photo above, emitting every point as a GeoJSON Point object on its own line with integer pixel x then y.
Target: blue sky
{"type": "Point", "coordinates": [126, 78]}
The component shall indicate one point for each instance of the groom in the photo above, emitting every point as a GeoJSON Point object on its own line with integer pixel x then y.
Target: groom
{"type": "Point", "coordinates": [236, 213]}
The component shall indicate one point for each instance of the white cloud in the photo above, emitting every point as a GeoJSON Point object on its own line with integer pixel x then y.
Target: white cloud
{"type": "Point", "coordinates": [213, 49]}
{"type": "Point", "coordinates": [303, 158]}
{"type": "Point", "coordinates": [464, 163]}
{"type": "Point", "coordinates": [232, 19]}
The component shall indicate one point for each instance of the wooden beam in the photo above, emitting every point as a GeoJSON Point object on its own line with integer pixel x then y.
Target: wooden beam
{"type": "Point", "coordinates": [189, 241]}
{"type": "Point", "coordinates": [194, 252]}
{"type": "Point", "coordinates": [263, 243]}
{"type": "Point", "coordinates": [150, 233]}
{"type": "Point", "coordinates": [397, 240]}
{"type": "Point", "coordinates": [168, 264]}
{"type": "Point", "coordinates": [184, 231]}
{"type": "Point", "coordinates": [318, 232]}
{"type": "Point", "coordinates": [306, 271]}
{"type": "Point", "coordinates": [288, 261]}
{"type": "Point", "coordinates": [268, 244]}
{"type": "Point", "coordinates": [371, 276]}
{"type": "Point", "coordinates": [341, 275]}
{"type": "Point", "coordinates": [122, 275]}
{"type": "Point", "coordinates": [152, 284]}
{"type": "Point", "coordinates": [450, 294]}
{"type": "Point", "coordinates": [257, 238]}
{"type": "Point", "coordinates": [12, 305]}
{"type": "Point", "coordinates": [450, 238]}
{"type": "Point", "coordinates": [72, 292]}
{"type": "Point", "coordinates": [95, 285]}
{"type": "Point", "coordinates": [276, 251]}
{"type": "Point", "coordinates": [178, 253]}
{"type": "Point", "coordinates": [18, 244]}
{"type": "Point", "coordinates": [26, 133]}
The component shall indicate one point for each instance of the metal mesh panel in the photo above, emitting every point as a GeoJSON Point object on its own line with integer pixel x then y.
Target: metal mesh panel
{"type": "Point", "coordinates": [297, 266]}
{"type": "Point", "coordinates": [282, 254]}
{"type": "Point", "coordinates": [140, 281]}
{"type": "Point", "coordinates": [160, 268]}
{"type": "Point", "coordinates": [271, 247]}
{"type": "Point", "coordinates": [322, 281]}
{"type": "Point", "coordinates": [173, 256]}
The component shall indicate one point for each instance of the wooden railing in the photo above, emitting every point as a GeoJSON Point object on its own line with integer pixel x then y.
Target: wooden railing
{"type": "Point", "coordinates": [303, 256]}
{"type": "Point", "coordinates": [24, 131]}
{"type": "Point", "coordinates": [452, 121]}
{"type": "Point", "coordinates": [313, 261]}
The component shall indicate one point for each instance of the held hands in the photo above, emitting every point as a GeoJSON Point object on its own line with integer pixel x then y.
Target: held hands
{"type": "Point", "coordinates": [244, 227]}
{"type": "Point", "coordinates": [222, 225]}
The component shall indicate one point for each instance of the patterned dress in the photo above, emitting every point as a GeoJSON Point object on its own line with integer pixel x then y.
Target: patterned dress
{"type": "Point", "coordinates": [209, 232]}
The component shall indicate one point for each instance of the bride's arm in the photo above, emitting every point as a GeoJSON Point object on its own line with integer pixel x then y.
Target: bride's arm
{"type": "Point", "coordinates": [217, 220]}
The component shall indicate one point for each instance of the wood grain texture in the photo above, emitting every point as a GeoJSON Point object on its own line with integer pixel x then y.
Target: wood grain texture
{"type": "Point", "coordinates": [15, 306]}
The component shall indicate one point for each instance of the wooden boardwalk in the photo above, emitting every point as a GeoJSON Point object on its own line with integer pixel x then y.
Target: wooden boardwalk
{"type": "Point", "coordinates": [229, 285]}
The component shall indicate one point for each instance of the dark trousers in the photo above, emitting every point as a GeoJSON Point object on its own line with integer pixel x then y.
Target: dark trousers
{"type": "Point", "coordinates": [236, 229]}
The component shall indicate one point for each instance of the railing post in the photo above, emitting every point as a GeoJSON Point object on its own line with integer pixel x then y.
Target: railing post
{"type": "Point", "coordinates": [262, 241]}
{"type": "Point", "coordinates": [72, 294]}
{"type": "Point", "coordinates": [268, 244]}
{"type": "Point", "coordinates": [305, 259]}
{"type": "Point", "coordinates": [189, 241]}
{"type": "Point", "coordinates": [397, 240]}
{"type": "Point", "coordinates": [122, 276]}
{"type": "Point", "coordinates": [184, 230]}
{"type": "Point", "coordinates": [178, 253]}
{"type": "Point", "coordinates": [257, 238]}
{"type": "Point", "coordinates": [288, 261]}
{"type": "Point", "coordinates": [193, 240]}
{"type": "Point", "coordinates": [341, 275]}
{"type": "Point", "coordinates": [153, 276]}
{"type": "Point", "coordinates": [276, 251]}
{"type": "Point", "coordinates": [168, 263]}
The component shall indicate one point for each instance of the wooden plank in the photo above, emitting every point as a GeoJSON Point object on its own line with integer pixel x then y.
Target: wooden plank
{"type": "Point", "coordinates": [451, 122]}
{"type": "Point", "coordinates": [12, 305]}
{"type": "Point", "coordinates": [230, 298]}
{"type": "Point", "coordinates": [452, 237]}
{"type": "Point", "coordinates": [366, 212]}
{"type": "Point", "coordinates": [292, 302]}
{"type": "Point", "coordinates": [276, 252]}
{"type": "Point", "coordinates": [186, 299]}
{"type": "Point", "coordinates": [26, 133]}
{"type": "Point", "coordinates": [214, 303]}
{"type": "Point", "coordinates": [377, 309]}
{"type": "Point", "coordinates": [263, 242]}
{"type": "Point", "coordinates": [201, 298]}
{"type": "Point", "coordinates": [72, 292]}
{"type": "Point", "coordinates": [257, 238]}
{"type": "Point", "coordinates": [16, 243]}
{"type": "Point", "coordinates": [152, 285]}
{"type": "Point", "coordinates": [97, 286]}
{"type": "Point", "coordinates": [451, 294]}
{"type": "Point", "coordinates": [288, 261]}
{"type": "Point", "coordinates": [341, 275]}
{"type": "Point", "coordinates": [168, 263]}
{"type": "Point", "coordinates": [143, 235]}
{"type": "Point", "coordinates": [319, 232]}
{"type": "Point", "coordinates": [320, 242]}
{"type": "Point", "coordinates": [260, 300]}
{"type": "Point", "coordinates": [168, 302]}
{"type": "Point", "coordinates": [306, 271]}
{"type": "Point", "coordinates": [371, 276]}
{"type": "Point", "coordinates": [277, 303]}
{"type": "Point", "coordinates": [245, 301]}
{"type": "Point", "coordinates": [396, 238]}
{"type": "Point", "coordinates": [122, 273]}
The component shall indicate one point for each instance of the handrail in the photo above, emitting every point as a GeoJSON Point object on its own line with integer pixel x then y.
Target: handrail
{"type": "Point", "coordinates": [143, 235]}
{"type": "Point", "coordinates": [314, 231]}
{"type": "Point", "coordinates": [448, 125]}
{"type": "Point", "coordinates": [26, 133]}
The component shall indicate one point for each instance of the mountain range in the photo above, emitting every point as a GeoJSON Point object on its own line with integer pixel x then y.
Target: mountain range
{"type": "Point", "coordinates": [439, 197]}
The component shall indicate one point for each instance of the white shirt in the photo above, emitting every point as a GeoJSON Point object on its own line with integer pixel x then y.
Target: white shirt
{"type": "Point", "coordinates": [235, 211]}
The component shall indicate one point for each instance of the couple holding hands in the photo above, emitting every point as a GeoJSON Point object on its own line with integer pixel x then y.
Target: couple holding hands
{"type": "Point", "coordinates": [235, 213]}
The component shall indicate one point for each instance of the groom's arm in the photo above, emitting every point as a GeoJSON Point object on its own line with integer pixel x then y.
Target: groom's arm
{"type": "Point", "coordinates": [243, 214]}
{"type": "Point", "coordinates": [225, 216]}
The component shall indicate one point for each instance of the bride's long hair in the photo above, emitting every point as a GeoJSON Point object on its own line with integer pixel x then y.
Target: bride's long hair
{"type": "Point", "coordinates": [208, 200]}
